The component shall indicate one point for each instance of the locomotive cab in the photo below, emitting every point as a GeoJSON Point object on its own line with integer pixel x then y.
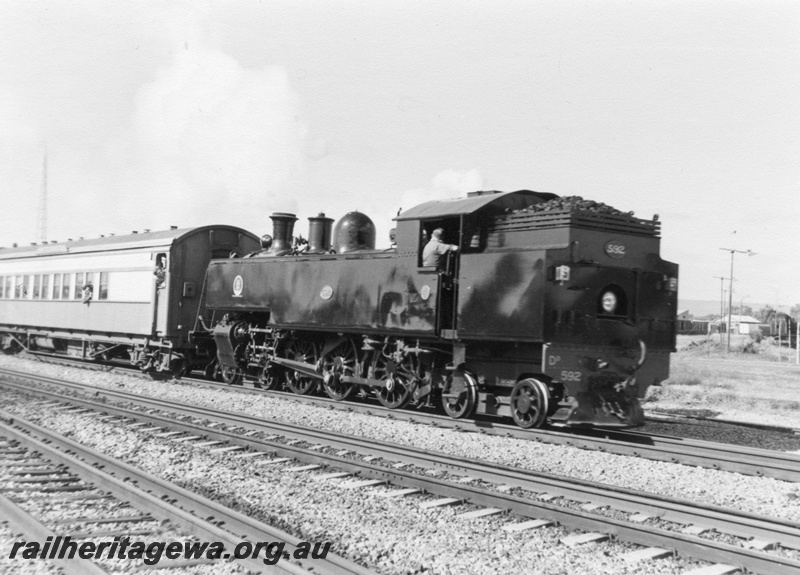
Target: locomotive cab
{"type": "Point", "coordinates": [447, 267]}
{"type": "Point", "coordinates": [568, 294]}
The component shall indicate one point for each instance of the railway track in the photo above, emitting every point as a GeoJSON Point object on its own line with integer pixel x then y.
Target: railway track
{"type": "Point", "coordinates": [713, 455]}
{"type": "Point", "coordinates": [662, 524]}
{"type": "Point", "coordinates": [695, 452]}
{"type": "Point", "coordinates": [120, 501]}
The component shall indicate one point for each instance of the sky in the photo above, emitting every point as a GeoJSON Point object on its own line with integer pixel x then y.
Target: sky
{"type": "Point", "coordinates": [190, 113]}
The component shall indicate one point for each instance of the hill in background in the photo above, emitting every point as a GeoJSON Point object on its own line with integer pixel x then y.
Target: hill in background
{"type": "Point", "coordinates": [701, 308]}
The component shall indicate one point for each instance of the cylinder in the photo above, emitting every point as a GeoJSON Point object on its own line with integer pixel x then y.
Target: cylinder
{"type": "Point", "coordinates": [282, 228]}
{"type": "Point", "coordinates": [319, 234]}
{"type": "Point", "coordinates": [354, 232]}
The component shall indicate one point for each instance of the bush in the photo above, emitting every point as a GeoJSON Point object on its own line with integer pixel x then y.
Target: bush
{"type": "Point", "coordinates": [756, 335]}
{"type": "Point", "coordinates": [751, 347]}
{"type": "Point", "coordinates": [654, 393]}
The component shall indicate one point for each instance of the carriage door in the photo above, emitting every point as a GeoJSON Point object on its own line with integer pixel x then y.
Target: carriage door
{"type": "Point", "coordinates": [160, 297]}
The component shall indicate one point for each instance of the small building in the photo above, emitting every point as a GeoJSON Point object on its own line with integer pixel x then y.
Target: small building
{"type": "Point", "coordinates": [742, 324]}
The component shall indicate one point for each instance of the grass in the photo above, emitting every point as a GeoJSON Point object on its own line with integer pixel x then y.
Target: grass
{"type": "Point", "coordinates": [706, 379]}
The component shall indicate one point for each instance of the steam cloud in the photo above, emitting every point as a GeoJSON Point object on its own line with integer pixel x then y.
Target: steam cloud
{"type": "Point", "coordinates": [219, 141]}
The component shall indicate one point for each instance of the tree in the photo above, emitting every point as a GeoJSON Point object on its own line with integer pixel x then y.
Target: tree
{"type": "Point", "coordinates": [765, 314]}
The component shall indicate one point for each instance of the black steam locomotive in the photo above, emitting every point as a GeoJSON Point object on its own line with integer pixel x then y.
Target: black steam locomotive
{"type": "Point", "coordinates": [550, 309]}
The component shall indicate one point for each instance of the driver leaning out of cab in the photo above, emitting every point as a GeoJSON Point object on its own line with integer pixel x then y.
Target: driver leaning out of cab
{"type": "Point", "coordinates": [435, 250]}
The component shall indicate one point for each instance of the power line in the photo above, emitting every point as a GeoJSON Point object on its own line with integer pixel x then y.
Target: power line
{"type": "Point", "coordinates": [730, 291]}
{"type": "Point", "coordinates": [721, 304]}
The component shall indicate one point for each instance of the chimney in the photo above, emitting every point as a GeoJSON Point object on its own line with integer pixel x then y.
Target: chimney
{"type": "Point", "coordinates": [319, 234]}
{"type": "Point", "coordinates": [282, 227]}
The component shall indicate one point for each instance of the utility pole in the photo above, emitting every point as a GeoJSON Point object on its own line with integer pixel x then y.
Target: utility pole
{"type": "Point", "coordinates": [42, 215]}
{"type": "Point", "coordinates": [721, 304]}
{"type": "Point", "coordinates": [730, 291]}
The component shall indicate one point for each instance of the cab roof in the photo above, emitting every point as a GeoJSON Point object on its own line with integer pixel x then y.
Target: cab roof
{"type": "Point", "coordinates": [490, 200]}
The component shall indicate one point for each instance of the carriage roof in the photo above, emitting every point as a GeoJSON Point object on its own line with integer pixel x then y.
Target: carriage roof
{"type": "Point", "coordinates": [111, 243]}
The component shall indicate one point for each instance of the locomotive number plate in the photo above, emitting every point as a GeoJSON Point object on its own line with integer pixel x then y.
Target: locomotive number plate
{"type": "Point", "coordinates": [615, 249]}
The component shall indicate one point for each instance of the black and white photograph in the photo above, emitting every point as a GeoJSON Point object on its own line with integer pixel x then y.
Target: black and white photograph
{"type": "Point", "coordinates": [345, 287]}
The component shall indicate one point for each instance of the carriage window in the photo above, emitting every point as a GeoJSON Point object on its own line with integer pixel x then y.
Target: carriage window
{"type": "Point", "coordinates": [37, 286]}
{"type": "Point", "coordinates": [2, 287]}
{"type": "Point", "coordinates": [160, 271]}
{"type": "Point", "coordinates": [46, 286]}
{"type": "Point", "coordinates": [57, 286]}
{"type": "Point", "coordinates": [65, 286]}
{"type": "Point", "coordinates": [103, 291]}
{"type": "Point", "coordinates": [79, 283]}
{"type": "Point", "coordinates": [9, 287]}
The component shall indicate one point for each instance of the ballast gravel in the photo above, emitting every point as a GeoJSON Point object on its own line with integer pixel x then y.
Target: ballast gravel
{"type": "Point", "coordinates": [15, 566]}
{"type": "Point", "coordinates": [391, 536]}
{"type": "Point", "coordinates": [395, 536]}
{"type": "Point", "coordinates": [752, 494]}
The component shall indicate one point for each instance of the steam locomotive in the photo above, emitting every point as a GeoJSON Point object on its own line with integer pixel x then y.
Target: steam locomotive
{"type": "Point", "coordinates": [550, 309]}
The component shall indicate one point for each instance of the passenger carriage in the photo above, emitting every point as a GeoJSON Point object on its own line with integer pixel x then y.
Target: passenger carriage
{"type": "Point", "coordinates": [133, 296]}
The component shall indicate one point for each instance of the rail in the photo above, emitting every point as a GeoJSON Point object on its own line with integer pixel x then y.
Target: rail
{"type": "Point", "coordinates": [540, 490]}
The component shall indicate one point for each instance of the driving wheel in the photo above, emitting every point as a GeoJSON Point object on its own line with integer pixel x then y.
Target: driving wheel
{"type": "Point", "coordinates": [398, 379]}
{"type": "Point", "coordinates": [340, 361]}
{"type": "Point", "coordinates": [305, 351]}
